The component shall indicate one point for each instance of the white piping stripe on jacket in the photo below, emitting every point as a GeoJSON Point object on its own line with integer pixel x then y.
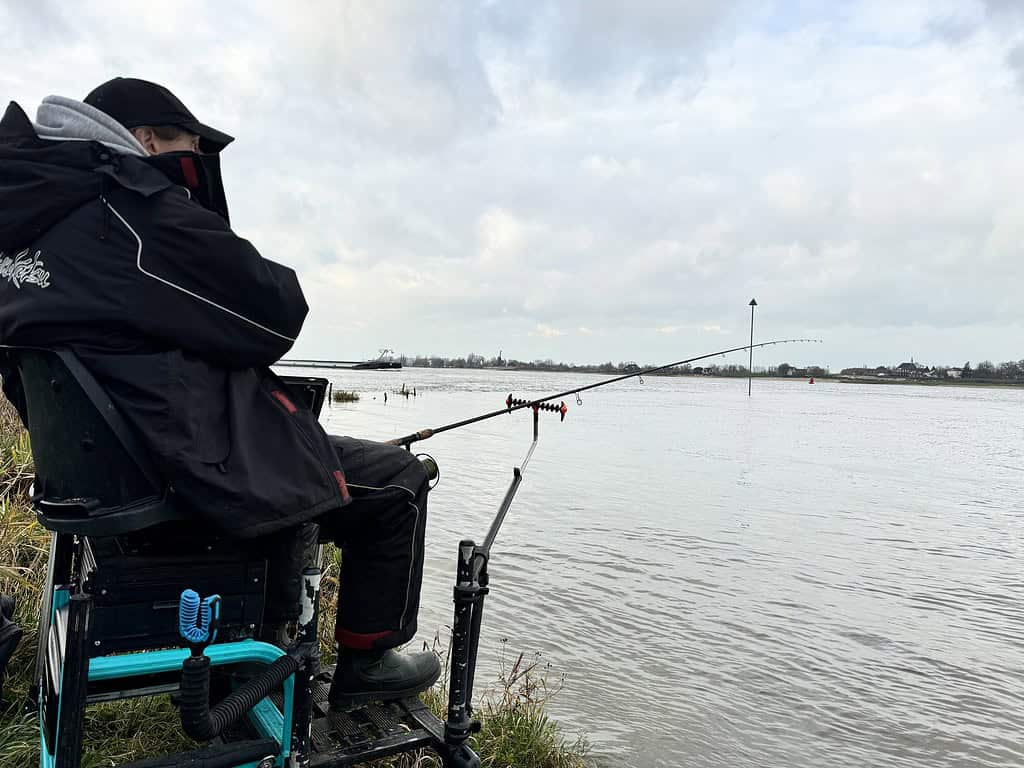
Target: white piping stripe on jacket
{"type": "Point", "coordinates": [410, 491]}
{"type": "Point", "coordinates": [412, 557]}
{"type": "Point", "coordinates": [412, 564]}
{"type": "Point", "coordinates": [138, 263]}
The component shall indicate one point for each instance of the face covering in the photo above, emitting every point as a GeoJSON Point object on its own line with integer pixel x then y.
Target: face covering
{"type": "Point", "coordinates": [200, 174]}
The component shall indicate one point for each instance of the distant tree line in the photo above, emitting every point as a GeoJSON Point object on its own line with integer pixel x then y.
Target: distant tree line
{"type": "Point", "coordinates": [473, 360]}
{"type": "Point", "coordinates": [986, 369]}
{"type": "Point", "coordinates": [983, 371]}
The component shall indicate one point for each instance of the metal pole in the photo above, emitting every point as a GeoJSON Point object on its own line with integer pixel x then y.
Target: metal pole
{"type": "Point", "coordinates": [750, 365]}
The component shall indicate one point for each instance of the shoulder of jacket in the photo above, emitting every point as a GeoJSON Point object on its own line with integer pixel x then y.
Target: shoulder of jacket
{"type": "Point", "coordinates": [131, 173]}
{"type": "Point", "coordinates": [171, 200]}
{"type": "Point", "coordinates": [169, 212]}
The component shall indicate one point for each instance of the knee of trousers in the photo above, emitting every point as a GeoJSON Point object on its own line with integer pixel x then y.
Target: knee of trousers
{"type": "Point", "coordinates": [414, 474]}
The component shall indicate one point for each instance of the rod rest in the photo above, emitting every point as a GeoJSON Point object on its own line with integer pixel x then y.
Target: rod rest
{"type": "Point", "coordinates": [199, 721]}
{"type": "Point", "coordinates": [197, 624]}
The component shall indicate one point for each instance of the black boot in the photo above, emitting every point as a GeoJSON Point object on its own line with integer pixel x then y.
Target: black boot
{"type": "Point", "coordinates": [365, 676]}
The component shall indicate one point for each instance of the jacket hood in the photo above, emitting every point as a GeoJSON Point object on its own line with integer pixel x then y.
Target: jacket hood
{"type": "Point", "coordinates": [62, 119]}
{"type": "Point", "coordinates": [40, 181]}
{"type": "Point", "coordinates": [43, 180]}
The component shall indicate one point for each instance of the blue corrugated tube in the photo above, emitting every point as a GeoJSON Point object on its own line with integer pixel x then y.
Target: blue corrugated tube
{"type": "Point", "coordinates": [190, 608]}
{"type": "Point", "coordinates": [188, 612]}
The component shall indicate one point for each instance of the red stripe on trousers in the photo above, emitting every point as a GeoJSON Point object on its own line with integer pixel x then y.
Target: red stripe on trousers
{"type": "Point", "coordinates": [358, 640]}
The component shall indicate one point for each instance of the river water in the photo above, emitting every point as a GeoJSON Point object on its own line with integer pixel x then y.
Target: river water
{"type": "Point", "coordinates": [818, 575]}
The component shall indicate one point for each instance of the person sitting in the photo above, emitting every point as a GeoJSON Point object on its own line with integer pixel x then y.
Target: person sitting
{"type": "Point", "coordinates": [115, 242]}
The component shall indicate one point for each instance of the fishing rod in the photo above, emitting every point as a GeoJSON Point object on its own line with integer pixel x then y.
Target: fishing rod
{"type": "Point", "coordinates": [472, 581]}
{"type": "Point", "coordinates": [544, 404]}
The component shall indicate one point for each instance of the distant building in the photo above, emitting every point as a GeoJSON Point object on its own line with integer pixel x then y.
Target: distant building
{"type": "Point", "coordinates": [954, 373]}
{"type": "Point", "coordinates": [911, 370]}
{"type": "Point", "coordinates": [788, 370]}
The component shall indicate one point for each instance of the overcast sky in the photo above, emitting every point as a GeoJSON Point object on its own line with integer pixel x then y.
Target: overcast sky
{"type": "Point", "coordinates": [598, 180]}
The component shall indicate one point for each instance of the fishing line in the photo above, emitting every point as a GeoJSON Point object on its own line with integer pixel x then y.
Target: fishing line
{"type": "Point", "coordinates": [515, 404]}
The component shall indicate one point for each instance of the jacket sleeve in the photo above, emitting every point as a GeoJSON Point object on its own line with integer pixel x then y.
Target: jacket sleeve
{"type": "Point", "coordinates": [205, 290]}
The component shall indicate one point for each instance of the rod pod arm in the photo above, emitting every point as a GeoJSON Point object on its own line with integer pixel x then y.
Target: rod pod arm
{"type": "Point", "coordinates": [471, 587]}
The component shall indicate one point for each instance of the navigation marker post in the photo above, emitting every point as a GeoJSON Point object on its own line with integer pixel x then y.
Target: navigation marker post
{"type": "Point", "coordinates": [750, 365]}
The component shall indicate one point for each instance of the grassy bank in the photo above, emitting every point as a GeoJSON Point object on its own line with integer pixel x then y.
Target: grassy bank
{"type": "Point", "coordinates": [516, 729]}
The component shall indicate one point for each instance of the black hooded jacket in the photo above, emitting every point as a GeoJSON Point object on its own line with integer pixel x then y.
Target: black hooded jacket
{"type": "Point", "coordinates": [177, 317]}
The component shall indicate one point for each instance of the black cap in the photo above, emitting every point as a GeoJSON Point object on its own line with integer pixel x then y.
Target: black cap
{"type": "Point", "coordinates": [135, 102]}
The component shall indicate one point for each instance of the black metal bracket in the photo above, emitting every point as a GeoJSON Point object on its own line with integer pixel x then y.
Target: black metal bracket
{"type": "Point", "coordinates": [470, 590]}
{"type": "Point", "coordinates": [306, 648]}
{"type": "Point", "coordinates": [472, 584]}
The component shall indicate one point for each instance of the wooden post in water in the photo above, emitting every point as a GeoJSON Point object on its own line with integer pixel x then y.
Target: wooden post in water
{"type": "Point", "coordinates": [750, 365]}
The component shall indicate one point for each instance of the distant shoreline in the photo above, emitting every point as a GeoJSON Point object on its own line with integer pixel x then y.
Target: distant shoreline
{"type": "Point", "coordinates": [930, 382]}
{"type": "Point", "coordinates": [893, 380]}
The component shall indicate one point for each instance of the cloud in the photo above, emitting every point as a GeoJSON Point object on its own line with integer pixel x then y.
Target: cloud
{"type": "Point", "coordinates": [500, 235]}
{"type": "Point", "coordinates": [402, 74]}
{"type": "Point", "coordinates": [1006, 8]}
{"type": "Point", "coordinates": [589, 43]}
{"type": "Point", "coordinates": [607, 168]}
{"type": "Point", "coordinates": [953, 29]}
{"type": "Point", "coordinates": [468, 176]}
{"type": "Point", "coordinates": [1015, 59]}
{"type": "Point", "coordinates": [546, 331]}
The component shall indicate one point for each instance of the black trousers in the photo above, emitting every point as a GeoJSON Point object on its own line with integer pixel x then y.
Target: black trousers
{"type": "Point", "coordinates": [380, 534]}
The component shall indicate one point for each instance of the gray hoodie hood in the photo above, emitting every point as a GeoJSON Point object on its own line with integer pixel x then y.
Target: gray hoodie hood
{"type": "Point", "coordinates": [62, 119]}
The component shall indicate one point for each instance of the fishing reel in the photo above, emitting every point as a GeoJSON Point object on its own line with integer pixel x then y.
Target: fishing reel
{"type": "Point", "coordinates": [511, 402]}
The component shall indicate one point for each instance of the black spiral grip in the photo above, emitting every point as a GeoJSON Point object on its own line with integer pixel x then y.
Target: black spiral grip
{"type": "Point", "coordinates": [537, 405]}
{"type": "Point", "coordinates": [199, 721]}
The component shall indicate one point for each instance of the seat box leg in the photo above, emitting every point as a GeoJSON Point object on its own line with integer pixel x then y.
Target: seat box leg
{"type": "Point", "coordinates": [58, 571]}
{"type": "Point", "coordinates": [74, 679]}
